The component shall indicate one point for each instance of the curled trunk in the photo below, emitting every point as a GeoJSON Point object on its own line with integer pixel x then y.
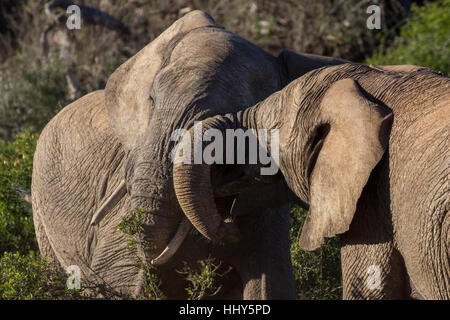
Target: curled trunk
{"type": "Point", "coordinates": [192, 182]}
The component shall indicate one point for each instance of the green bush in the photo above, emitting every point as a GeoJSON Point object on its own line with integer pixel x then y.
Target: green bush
{"type": "Point", "coordinates": [25, 277]}
{"type": "Point", "coordinates": [16, 221]}
{"type": "Point", "coordinates": [317, 273]}
{"type": "Point", "coordinates": [424, 39]}
{"type": "Point", "coordinates": [132, 227]}
{"type": "Point", "coordinates": [202, 282]}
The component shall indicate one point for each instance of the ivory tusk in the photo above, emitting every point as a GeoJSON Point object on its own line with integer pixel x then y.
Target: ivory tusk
{"type": "Point", "coordinates": [174, 244]}
{"type": "Point", "coordinates": [115, 197]}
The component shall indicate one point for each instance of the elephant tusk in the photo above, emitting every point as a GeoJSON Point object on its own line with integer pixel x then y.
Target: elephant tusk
{"type": "Point", "coordinates": [115, 197]}
{"type": "Point", "coordinates": [174, 244]}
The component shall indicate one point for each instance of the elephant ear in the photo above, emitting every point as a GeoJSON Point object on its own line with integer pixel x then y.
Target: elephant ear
{"type": "Point", "coordinates": [295, 65]}
{"type": "Point", "coordinates": [128, 90]}
{"type": "Point", "coordinates": [351, 142]}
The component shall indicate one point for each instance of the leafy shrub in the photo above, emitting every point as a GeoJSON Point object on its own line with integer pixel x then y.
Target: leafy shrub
{"type": "Point", "coordinates": [16, 221]}
{"type": "Point", "coordinates": [317, 273]}
{"type": "Point", "coordinates": [24, 277]}
{"type": "Point", "coordinates": [202, 282]}
{"type": "Point", "coordinates": [30, 95]}
{"type": "Point", "coordinates": [424, 39]}
{"type": "Point", "coordinates": [47, 66]}
{"type": "Point", "coordinates": [132, 227]}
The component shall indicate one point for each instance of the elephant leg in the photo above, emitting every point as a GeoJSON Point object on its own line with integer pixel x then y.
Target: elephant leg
{"type": "Point", "coordinates": [372, 268]}
{"type": "Point", "coordinates": [264, 261]}
{"type": "Point", "coordinates": [373, 271]}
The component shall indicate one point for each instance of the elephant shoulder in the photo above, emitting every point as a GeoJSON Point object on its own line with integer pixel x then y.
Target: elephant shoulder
{"type": "Point", "coordinates": [80, 119]}
{"type": "Point", "coordinates": [87, 110]}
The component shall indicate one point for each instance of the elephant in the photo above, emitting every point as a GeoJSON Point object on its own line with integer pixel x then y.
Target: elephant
{"type": "Point", "coordinates": [109, 153]}
{"type": "Point", "coordinates": [365, 150]}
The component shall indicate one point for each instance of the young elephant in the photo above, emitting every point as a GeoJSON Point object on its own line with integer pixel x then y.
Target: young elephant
{"type": "Point", "coordinates": [109, 153]}
{"type": "Point", "coordinates": [366, 149]}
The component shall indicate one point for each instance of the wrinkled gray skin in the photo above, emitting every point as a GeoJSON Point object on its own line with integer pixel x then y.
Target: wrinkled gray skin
{"type": "Point", "coordinates": [366, 149]}
{"type": "Point", "coordinates": [192, 71]}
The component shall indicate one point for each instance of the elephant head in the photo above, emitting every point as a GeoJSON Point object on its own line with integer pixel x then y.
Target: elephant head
{"type": "Point", "coordinates": [194, 70]}
{"type": "Point", "coordinates": [331, 136]}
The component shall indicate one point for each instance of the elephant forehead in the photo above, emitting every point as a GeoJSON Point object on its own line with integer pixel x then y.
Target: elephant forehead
{"type": "Point", "coordinates": [227, 69]}
{"type": "Point", "coordinates": [127, 90]}
{"type": "Point", "coordinates": [212, 44]}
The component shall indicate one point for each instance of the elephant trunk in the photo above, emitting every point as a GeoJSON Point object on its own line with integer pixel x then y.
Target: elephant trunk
{"type": "Point", "coordinates": [192, 182]}
{"type": "Point", "coordinates": [194, 192]}
{"type": "Point", "coordinates": [151, 191]}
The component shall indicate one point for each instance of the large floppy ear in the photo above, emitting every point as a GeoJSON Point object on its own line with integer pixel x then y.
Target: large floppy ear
{"type": "Point", "coordinates": [128, 98]}
{"type": "Point", "coordinates": [297, 64]}
{"type": "Point", "coordinates": [355, 137]}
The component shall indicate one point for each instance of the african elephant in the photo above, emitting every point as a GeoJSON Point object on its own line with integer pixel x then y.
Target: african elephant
{"type": "Point", "coordinates": [366, 150]}
{"type": "Point", "coordinates": [108, 153]}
